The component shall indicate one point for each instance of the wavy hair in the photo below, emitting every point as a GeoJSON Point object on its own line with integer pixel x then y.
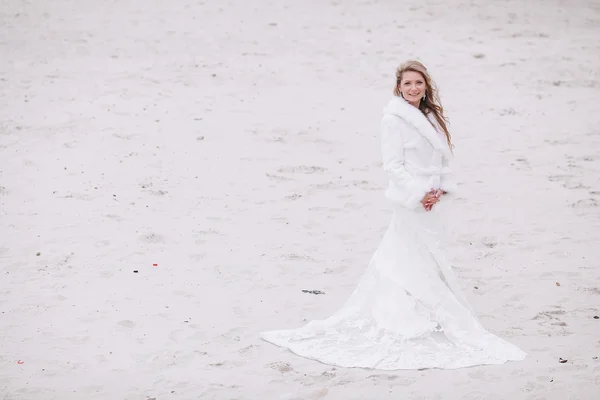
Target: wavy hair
{"type": "Point", "coordinates": [430, 103]}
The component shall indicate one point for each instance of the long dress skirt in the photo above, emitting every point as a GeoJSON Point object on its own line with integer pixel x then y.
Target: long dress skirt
{"type": "Point", "coordinates": [406, 312]}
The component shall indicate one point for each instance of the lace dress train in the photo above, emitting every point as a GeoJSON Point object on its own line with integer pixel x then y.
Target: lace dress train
{"type": "Point", "coordinates": [407, 311]}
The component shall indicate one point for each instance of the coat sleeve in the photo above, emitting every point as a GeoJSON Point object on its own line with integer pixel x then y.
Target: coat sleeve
{"type": "Point", "coordinates": [447, 182]}
{"type": "Point", "coordinates": [409, 192]}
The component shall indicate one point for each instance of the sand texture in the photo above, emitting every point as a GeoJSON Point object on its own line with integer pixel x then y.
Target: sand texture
{"type": "Point", "coordinates": [235, 144]}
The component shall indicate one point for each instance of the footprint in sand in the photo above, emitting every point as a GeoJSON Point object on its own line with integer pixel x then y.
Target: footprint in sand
{"type": "Point", "coordinates": [593, 290]}
{"type": "Point", "coordinates": [548, 315]}
{"type": "Point", "coordinates": [552, 317]}
{"type": "Point", "coordinates": [280, 366]}
{"type": "Point", "coordinates": [275, 139]}
{"type": "Point", "coordinates": [209, 231]}
{"type": "Point", "coordinates": [115, 217]}
{"type": "Point", "coordinates": [401, 381]}
{"type": "Point", "coordinates": [326, 186]}
{"type": "Point", "coordinates": [567, 182]}
{"type": "Point", "coordinates": [559, 323]}
{"type": "Point", "coordinates": [585, 203]}
{"type": "Point", "coordinates": [147, 186]}
{"type": "Point", "coordinates": [248, 350]}
{"type": "Point", "coordinates": [158, 192]}
{"type": "Point", "coordinates": [522, 164]}
{"type": "Point", "coordinates": [152, 238]}
{"type": "Point", "coordinates": [234, 334]}
{"type": "Point", "coordinates": [572, 186]}
{"type": "Point", "coordinates": [302, 169]}
{"type": "Point", "coordinates": [278, 178]}
{"type": "Point", "coordinates": [559, 178]}
{"type": "Point", "coordinates": [508, 112]}
{"type": "Point", "coordinates": [126, 324]}
{"type": "Point", "coordinates": [557, 141]}
{"type": "Point", "coordinates": [326, 376]}
{"type": "Point", "coordinates": [366, 185]}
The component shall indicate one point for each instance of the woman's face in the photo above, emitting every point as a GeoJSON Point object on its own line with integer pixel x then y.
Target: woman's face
{"type": "Point", "coordinates": [412, 86]}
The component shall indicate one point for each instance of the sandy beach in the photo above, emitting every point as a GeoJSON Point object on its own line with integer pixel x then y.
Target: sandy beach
{"type": "Point", "coordinates": [174, 173]}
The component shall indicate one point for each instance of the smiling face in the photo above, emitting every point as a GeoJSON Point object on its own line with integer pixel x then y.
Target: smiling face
{"type": "Point", "coordinates": [412, 87]}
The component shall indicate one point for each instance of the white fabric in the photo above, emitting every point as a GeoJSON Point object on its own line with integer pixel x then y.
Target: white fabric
{"type": "Point", "coordinates": [407, 311]}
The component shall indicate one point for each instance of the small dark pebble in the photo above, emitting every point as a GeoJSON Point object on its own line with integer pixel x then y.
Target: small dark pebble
{"type": "Point", "coordinates": [594, 358]}
{"type": "Point", "coordinates": [560, 360]}
{"type": "Point", "coordinates": [313, 291]}
{"type": "Point", "coordinates": [38, 254]}
{"type": "Point", "coordinates": [476, 287]}
{"type": "Point", "coordinates": [551, 380]}
{"type": "Point", "coordinates": [135, 271]}
{"type": "Point", "coordinates": [596, 317]}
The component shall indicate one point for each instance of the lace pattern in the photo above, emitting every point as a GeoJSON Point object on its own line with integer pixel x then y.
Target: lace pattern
{"type": "Point", "coordinates": [406, 312]}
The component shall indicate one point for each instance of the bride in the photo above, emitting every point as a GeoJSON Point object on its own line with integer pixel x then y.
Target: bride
{"type": "Point", "coordinates": [407, 311]}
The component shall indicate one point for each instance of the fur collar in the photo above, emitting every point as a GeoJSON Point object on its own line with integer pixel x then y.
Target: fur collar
{"type": "Point", "coordinates": [401, 108]}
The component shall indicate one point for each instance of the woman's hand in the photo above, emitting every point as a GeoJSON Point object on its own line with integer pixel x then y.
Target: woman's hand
{"type": "Point", "coordinates": [431, 198]}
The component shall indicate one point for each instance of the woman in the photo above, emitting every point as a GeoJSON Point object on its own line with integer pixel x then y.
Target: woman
{"type": "Point", "coordinates": [407, 311]}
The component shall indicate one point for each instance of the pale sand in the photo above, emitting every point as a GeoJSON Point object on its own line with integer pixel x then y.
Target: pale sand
{"type": "Point", "coordinates": [237, 147]}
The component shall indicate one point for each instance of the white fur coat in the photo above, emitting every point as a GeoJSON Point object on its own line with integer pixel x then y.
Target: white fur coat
{"type": "Point", "coordinates": [415, 155]}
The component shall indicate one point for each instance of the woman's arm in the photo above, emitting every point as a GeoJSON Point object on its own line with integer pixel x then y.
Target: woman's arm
{"type": "Point", "coordinates": [392, 147]}
{"type": "Point", "coordinates": [447, 182]}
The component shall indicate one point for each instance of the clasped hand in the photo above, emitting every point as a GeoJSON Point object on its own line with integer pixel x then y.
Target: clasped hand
{"type": "Point", "coordinates": [431, 198]}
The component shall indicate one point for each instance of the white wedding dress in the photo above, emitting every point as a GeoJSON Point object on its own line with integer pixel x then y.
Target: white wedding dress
{"type": "Point", "coordinates": [407, 311]}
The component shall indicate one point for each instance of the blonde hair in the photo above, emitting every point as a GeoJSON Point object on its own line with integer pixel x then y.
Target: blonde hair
{"type": "Point", "coordinates": [430, 103]}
